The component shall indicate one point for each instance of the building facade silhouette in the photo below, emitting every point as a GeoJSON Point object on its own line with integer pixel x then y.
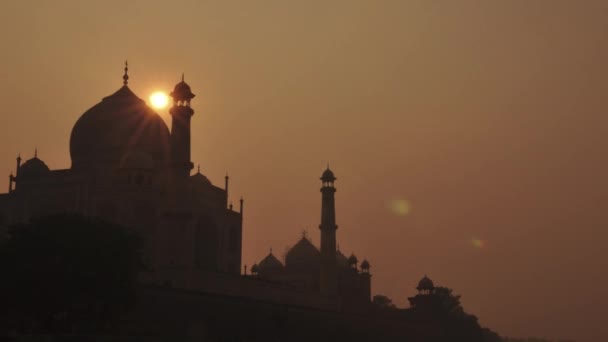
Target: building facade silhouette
{"type": "Point", "coordinates": [325, 270]}
{"type": "Point", "coordinates": [129, 168]}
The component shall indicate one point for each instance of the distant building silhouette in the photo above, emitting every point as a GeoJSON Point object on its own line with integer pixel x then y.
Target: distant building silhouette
{"type": "Point", "coordinates": [425, 300]}
{"type": "Point", "coordinates": [326, 271]}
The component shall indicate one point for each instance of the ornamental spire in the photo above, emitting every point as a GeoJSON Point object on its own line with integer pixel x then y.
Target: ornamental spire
{"type": "Point", "coordinates": [125, 77]}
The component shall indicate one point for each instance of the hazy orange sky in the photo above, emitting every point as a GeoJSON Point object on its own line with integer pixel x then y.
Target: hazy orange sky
{"type": "Point", "coordinates": [488, 117]}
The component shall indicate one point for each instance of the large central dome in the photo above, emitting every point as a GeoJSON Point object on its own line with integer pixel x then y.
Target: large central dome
{"type": "Point", "coordinates": [121, 124]}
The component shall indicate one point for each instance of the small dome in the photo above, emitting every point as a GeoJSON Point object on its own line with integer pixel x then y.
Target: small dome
{"type": "Point", "coordinates": [328, 176]}
{"type": "Point", "coordinates": [199, 181]}
{"type": "Point", "coordinates": [425, 284]}
{"type": "Point", "coordinates": [341, 259]}
{"type": "Point", "coordinates": [352, 260]}
{"type": "Point", "coordinates": [182, 91]}
{"type": "Point", "coordinates": [255, 269]}
{"type": "Point", "coordinates": [303, 255]}
{"type": "Point", "coordinates": [365, 264]}
{"type": "Point", "coordinates": [270, 264]}
{"type": "Point", "coordinates": [33, 168]}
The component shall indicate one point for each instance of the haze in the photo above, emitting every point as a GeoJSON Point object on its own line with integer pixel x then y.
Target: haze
{"type": "Point", "coordinates": [489, 118]}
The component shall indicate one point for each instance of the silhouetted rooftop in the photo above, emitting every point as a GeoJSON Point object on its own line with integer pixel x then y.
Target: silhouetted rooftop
{"type": "Point", "coordinates": [425, 284]}
{"type": "Point", "coordinates": [303, 254]}
{"type": "Point", "coordinates": [270, 264]}
{"type": "Point", "coordinates": [33, 168]}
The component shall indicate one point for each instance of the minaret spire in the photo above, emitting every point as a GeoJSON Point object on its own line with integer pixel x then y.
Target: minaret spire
{"type": "Point", "coordinates": [328, 227]}
{"type": "Point", "coordinates": [125, 77]}
{"type": "Point", "coordinates": [181, 114]}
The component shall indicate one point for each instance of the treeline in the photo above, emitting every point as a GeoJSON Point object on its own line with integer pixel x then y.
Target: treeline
{"type": "Point", "coordinates": [532, 339]}
{"type": "Point", "coordinates": [66, 274]}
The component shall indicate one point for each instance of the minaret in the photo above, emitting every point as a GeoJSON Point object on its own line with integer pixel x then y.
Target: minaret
{"type": "Point", "coordinates": [18, 164]}
{"type": "Point", "coordinates": [226, 187]}
{"type": "Point", "coordinates": [180, 130]}
{"type": "Point", "coordinates": [13, 179]}
{"type": "Point", "coordinates": [10, 183]}
{"type": "Point", "coordinates": [329, 279]}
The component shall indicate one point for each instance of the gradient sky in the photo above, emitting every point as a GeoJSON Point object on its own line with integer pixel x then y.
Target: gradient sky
{"type": "Point", "coordinates": [487, 119]}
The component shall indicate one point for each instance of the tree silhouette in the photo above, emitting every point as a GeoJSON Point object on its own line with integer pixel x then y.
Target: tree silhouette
{"type": "Point", "coordinates": [450, 302]}
{"type": "Point", "coordinates": [490, 336]}
{"type": "Point", "coordinates": [67, 273]}
{"type": "Point", "coordinates": [383, 302]}
{"type": "Point", "coordinates": [452, 323]}
{"type": "Point", "coordinates": [533, 339]}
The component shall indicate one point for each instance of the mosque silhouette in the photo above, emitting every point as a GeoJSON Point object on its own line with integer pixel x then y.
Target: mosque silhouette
{"type": "Point", "coordinates": [129, 168]}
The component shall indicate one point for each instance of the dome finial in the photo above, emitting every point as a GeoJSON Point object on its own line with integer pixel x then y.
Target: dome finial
{"type": "Point", "coordinates": [328, 175]}
{"type": "Point", "coordinates": [36, 152]}
{"type": "Point", "coordinates": [125, 77]}
{"type": "Point", "coordinates": [199, 168]}
{"type": "Point", "coordinates": [182, 92]}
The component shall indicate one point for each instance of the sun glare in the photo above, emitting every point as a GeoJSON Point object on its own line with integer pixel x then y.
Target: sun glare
{"type": "Point", "coordinates": [159, 100]}
{"type": "Point", "coordinates": [400, 207]}
{"type": "Point", "coordinates": [478, 243]}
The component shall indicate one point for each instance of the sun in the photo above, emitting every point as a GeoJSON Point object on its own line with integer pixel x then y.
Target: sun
{"type": "Point", "coordinates": [159, 100]}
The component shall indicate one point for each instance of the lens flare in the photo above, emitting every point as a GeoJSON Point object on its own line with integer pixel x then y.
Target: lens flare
{"type": "Point", "coordinates": [478, 243]}
{"type": "Point", "coordinates": [400, 207]}
{"type": "Point", "coordinates": [159, 100]}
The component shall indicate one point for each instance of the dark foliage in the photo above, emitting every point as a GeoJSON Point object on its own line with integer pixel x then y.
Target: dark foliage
{"type": "Point", "coordinates": [490, 336]}
{"type": "Point", "coordinates": [450, 302]}
{"type": "Point", "coordinates": [451, 322]}
{"type": "Point", "coordinates": [67, 273]}
{"type": "Point", "coordinates": [383, 302]}
{"type": "Point", "coordinates": [533, 339]}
